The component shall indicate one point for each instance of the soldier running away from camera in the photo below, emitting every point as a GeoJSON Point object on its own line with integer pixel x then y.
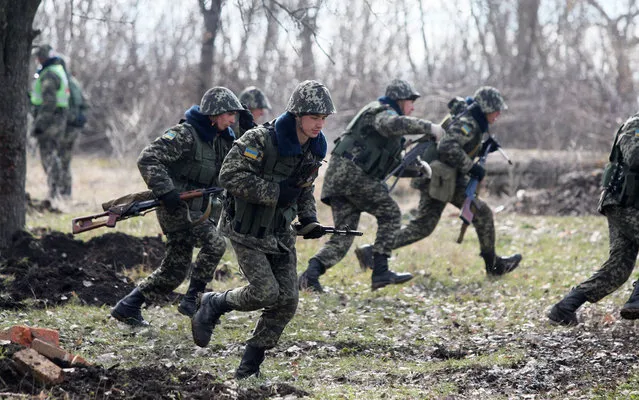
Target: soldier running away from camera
{"type": "Point", "coordinates": [367, 151]}
{"type": "Point", "coordinates": [619, 202]}
{"type": "Point", "coordinates": [452, 164]}
{"type": "Point", "coordinates": [187, 156]}
{"type": "Point", "coordinates": [268, 176]}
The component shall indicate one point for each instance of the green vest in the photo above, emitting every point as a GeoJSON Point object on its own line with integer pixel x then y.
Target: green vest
{"type": "Point", "coordinates": [259, 220]}
{"type": "Point", "coordinates": [61, 95]}
{"type": "Point", "coordinates": [202, 169]}
{"type": "Point", "coordinates": [375, 154]}
{"type": "Point", "coordinates": [620, 183]}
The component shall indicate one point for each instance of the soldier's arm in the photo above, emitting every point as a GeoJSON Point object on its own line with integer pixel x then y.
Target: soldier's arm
{"type": "Point", "coordinates": [306, 203]}
{"type": "Point", "coordinates": [46, 112]}
{"type": "Point", "coordinates": [388, 123]}
{"type": "Point", "coordinates": [241, 170]}
{"type": "Point", "coordinates": [155, 159]}
{"type": "Point", "coordinates": [629, 143]}
{"type": "Point", "coordinates": [450, 147]}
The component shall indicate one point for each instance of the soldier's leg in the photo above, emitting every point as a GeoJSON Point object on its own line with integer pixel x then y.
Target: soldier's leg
{"type": "Point", "coordinates": [66, 153]}
{"type": "Point", "coordinates": [344, 213]}
{"type": "Point", "coordinates": [429, 212]}
{"type": "Point", "coordinates": [212, 247]}
{"type": "Point", "coordinates": [612, 274]}
{"type": "Point", "coordinates": [50, 160]}
{"type": "Point", "coordinates": [381, 205]}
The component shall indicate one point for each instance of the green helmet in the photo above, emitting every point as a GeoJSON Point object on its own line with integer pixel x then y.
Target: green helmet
{"type": "Point", "coordinates": [219, 100]}
{"type": "Point", "coordinates": [254, 98]}
{"type": "Point", "coordinates": [44, 51]}
{"type": "Point", "coordinates": [490, 100]}
{"type": "Point", "coordinates": [399, 89]}
{"type": "Point", "coordinates": [310, 97]}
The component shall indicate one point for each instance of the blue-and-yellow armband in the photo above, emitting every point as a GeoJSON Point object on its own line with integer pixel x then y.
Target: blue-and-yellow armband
{"type": "Point", "coordinates": [252, 153]}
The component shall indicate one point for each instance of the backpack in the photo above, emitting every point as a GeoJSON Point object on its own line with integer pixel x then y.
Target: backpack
{"type": "Point", "coordinates": [77, 103]}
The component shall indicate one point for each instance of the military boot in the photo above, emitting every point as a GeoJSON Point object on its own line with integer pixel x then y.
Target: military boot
{"type": "Point", "coordinates": [210, 307]}
{"type": "Point", "coordinates": [630, 310]}
{"type": "Point", "coordinates": [497, 266]}
{"type": "Point", "coordinates": [564, 312]}
{"type": "Point", "coordinates": [187, 306]}
{"type": "Point", "coordinates": [129, 309]}
{"type": "Point", "coordinates": [382, 276]}
{"type": "Point", "coordinates": [250, 364]}
{"type": "Point", "coordinates": [365, 256]}
{"type": "Point", "coordinates": [309, 280]}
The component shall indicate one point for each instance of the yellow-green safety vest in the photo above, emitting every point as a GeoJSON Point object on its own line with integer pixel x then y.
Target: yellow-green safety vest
{"type": "Point", "coordinates": [62, 94]}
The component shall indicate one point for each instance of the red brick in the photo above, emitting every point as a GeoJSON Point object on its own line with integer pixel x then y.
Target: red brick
{"type": "Point", "coordinates": [51, 351]}
{"type": "Point", "coordinates": [43, 370]}
{"type": "Point", "coordinates": [24, 335]}
{"type": "Point", "coordinates": [46, 334]}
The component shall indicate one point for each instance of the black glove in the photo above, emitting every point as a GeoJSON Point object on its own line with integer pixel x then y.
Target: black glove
{"type": "Point", "coordinates": [478, 172]}
{"type": "Point", "coordinates": [289, 192]}
{"type": "Point", "coordinates": [309, 228]}
{"type": "Point", "coordinates": [493, 145]}
{"type": "Point", "coordinates": [246, 118]}
{"type": "Point", "coordinates": [171, 201]}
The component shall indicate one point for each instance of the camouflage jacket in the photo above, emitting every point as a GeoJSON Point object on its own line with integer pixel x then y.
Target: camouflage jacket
{"type": "Point", "coordinates": [628, 145]}
{"type": "Point", "coordinates": [177, 144]}
{"type": "Point", "coordinates": [460, 144]}
{"type": "Point", "coordinates": [343, 177]}
{"type": "Point", "coordinates": [242, 175]}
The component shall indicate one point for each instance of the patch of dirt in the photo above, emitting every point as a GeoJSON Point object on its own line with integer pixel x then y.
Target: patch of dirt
{"type": "Point", "coordinates": [576, 194]}
{"type": "Point", "coordinates": [148, 382]}
{"type": "Point", "coordinates": [54, 268]}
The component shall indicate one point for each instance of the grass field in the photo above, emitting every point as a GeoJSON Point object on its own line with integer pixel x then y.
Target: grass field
{"type": "Point", "coordinates": [450, 333]}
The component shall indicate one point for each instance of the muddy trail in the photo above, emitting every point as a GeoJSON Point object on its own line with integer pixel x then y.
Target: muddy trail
{"type": "Point", "coordinates": [55, 268]}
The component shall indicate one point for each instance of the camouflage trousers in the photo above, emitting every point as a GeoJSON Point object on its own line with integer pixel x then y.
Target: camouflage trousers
{"type": "Point", "coordinates": [429, 212]}
{"type": "Point", "coordinates": [56, 149]}
{"type": "Point", "coordinates": [272, 287]}
{"type": "Point", "coordinates": [347, 211]}
{"type": "Point", "coordinates": [623, 226]}
{"type": "Point", "coordinates": [177, 262]}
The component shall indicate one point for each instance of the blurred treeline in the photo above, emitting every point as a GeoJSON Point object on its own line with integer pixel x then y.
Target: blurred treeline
{"type": "Point", "coordinates": [564, 66]}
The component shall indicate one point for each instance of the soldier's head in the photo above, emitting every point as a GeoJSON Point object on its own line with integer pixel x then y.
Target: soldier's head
{"type": "Point", "coordinates": [311, 104]}
{"type": "Point", "coordinates": [256, 101]}
{"type": "Point", "coordinates": [403, 93]}
{"type": "Point", "coordinates": [43, 53]}
{"type": "Point", "coordinates": [491, 102]}
{"type": "Point", "coordinates": [221, 105]}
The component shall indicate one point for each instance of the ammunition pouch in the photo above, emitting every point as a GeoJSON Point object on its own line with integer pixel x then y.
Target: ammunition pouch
{"type": "Point", "coordinates": [630, 190]}
{"type": "Point", "coordinates": [442, 182]}
{"type": "Point", "coordinates": [258, 220]}
{"type": "Point", "coordinates": [608, 174]}
{"type": "Point", "coordinates": [372, 157]}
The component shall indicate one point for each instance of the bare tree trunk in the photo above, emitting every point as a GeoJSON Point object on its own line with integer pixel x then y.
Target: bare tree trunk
{"type": "Point", "coordinates": [308, 22]}
{"type": "Point", "coordinates": [270, 42]}
{"type": "Point", "coordinates": [527, 36]}
{"type": "Point", "coordinates": [211, 27]}
{"type": "Point", "coordinates": [16, 36]}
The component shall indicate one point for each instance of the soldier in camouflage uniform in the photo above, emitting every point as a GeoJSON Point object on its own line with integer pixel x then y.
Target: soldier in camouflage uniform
{"type": "Point", "coordinates": [50, 100]}
{"type": "Point", "coordinates": [457, 149]}
{"type": "Point", "coordinates": [256, 102]}
{"type": "Point", "coordinates": [619, 202]}
{"type": "Point", "coordinates": [268, 175]}
{"type": "Point", "coordinates": [187, 156]}
{"type": "Point", "coordinates": [368, 150]}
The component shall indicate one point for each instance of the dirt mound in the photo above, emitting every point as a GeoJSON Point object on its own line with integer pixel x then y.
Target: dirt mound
{"type": "Point", "coordinates": [55, 268]}
{"type": "Point", "coordinates": [577, 193]}
{"type": "Point", "coordinates": [149, 382]}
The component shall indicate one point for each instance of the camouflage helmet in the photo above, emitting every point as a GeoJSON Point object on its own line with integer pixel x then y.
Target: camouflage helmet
{"type": "Point", "coordinates": [254, 98]}
{"type": "Point", "coordinates": [490, 100]}
{"type": "Point", "coordinates": [399, 89]}
{"type": "Point", "coordinates": [310, 97]}
{"type": "Point", "coordinates": [219, 100]}
{"type": "Point", "coordinates": [44, 51]}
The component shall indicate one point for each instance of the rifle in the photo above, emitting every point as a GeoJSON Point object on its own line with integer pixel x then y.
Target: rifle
{"type": "Point", "coordinates": [120, 209]}
{"type": "Point", "coordinates": [413, 155]}
{"type": "Point", "coordinates": [331, 230]}
{"type": "Point", "coordinates": [466, 213]}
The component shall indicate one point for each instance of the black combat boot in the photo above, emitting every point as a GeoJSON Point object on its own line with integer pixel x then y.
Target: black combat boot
{"type": "Point", "coordinates": [365, 256]}
{"type": "Point", "coordinates": [497, 266]}
{"type": "Point", "coordinates": [250, 364]}
{"type": "Point", "coordinates": [564, 312]}
{"type": "Point", "coordinates": [128, 310]}
{"type": "Point", "coordinates": [210, 307]}
{"type": "Point", "coordinates": [187, 306]}
{"type": "Point", "coordinates": [382, 276]}
{"type": "Point", "coordinates": [309, 280]}
{"type": "Point", "coordinates": [630, 310]}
